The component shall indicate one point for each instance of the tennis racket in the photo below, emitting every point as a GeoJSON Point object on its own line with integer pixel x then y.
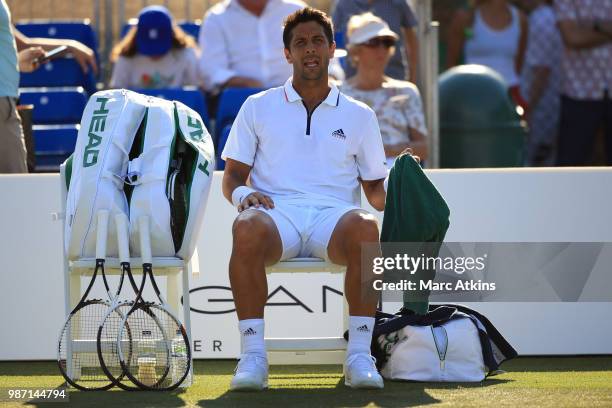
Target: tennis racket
{"type": "Point", "coordinates": [108, 330]}
{"type": "Point", "coordinates": [161, 356]}
{"type": "Point", "coordinates": [76, 355]}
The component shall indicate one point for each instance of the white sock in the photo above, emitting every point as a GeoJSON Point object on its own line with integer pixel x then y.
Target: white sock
{"type": "Point", "coordinates": [360, 334]}
{"type": "Point", "coordinates": [252, 336]}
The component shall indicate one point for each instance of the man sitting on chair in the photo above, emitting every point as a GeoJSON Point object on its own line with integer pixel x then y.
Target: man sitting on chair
{"type": "Point", "coordinates": [307, 148]}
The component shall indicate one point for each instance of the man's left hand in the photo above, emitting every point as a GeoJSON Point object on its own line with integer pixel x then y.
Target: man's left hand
{"type": "Point", "coordinates": [408, 151]}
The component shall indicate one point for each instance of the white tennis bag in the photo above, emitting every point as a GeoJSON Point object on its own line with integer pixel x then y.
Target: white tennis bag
{"type": "Point", "coordinates": [451, 352]}
{"type": "Point", "coordinates": [170, 173]}
{"type": "Point", "coordinates": [108, 125]}
{"type": "Point", "coordinates": [172, 178]}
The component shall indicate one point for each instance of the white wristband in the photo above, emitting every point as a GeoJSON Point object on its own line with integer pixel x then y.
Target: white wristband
{"type": "Point", "coordinates": [386, 182]}
{"type": "Point", "coordinates": [240, 193]}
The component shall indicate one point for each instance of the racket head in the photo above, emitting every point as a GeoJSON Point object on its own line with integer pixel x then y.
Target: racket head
{"type": "Point", "coordinates": [106, 344]}
{"type": "Point", "coordinates": [161, 356]}
{"type": "Point", "coordinates": [77, 355]}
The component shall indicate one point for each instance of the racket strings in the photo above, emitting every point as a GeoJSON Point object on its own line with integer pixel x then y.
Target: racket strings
{"type": "Point", "coordinates": [78, 354]}
{"type": "Point", "coordinates": [160, 353]}
{"type": "Point", "coordinates": [107, 343]}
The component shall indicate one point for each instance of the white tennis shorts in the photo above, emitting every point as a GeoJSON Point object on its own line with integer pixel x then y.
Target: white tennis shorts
{"type": "Point", "coordinates": [305, 229]}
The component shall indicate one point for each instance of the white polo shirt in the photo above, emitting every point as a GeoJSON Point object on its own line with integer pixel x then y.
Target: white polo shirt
{"type": "Point", "coordinates": [317, 158]}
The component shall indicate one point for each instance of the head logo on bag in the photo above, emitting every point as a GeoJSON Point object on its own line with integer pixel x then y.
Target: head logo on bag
{"type": "Point", "coordinates": [97, 124]}
{"type": "Point", "coordinates": [162, 150]}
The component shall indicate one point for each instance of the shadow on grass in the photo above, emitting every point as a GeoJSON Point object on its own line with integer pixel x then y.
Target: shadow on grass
{"type": "Point", "coordinates": [395, 394]}
{"type": "Point", "coordinates": [120, 399]}
{"type": "Point", "coordinates": [29, 368]}
{"type": "Point", "coordinates": [559, 363]}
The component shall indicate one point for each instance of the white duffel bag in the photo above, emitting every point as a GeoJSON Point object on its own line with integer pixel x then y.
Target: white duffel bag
{"type": "Point", "coordinates": [108, 125]}
{"type": "Point", "coordinates": [172, 177]}
{"type": "Point", "coordinates": [450, 352]}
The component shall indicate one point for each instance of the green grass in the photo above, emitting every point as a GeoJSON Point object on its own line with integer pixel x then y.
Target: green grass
{"type": "Point", "coordinates": [529, 382]}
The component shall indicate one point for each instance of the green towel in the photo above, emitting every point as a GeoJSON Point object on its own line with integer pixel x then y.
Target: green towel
{"type": "Point", "coordinates": [415, 212]}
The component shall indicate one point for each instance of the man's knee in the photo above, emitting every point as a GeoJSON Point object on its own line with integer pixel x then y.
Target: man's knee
{"type": "Point", "coordinates": [254, 232]}
{"type": "Point", "coordinates": [362, 227]}
{"type": "Point", "coordinates": [251, 226]}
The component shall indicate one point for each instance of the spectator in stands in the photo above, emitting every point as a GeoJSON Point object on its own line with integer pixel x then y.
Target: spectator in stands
{"type": "Point", "coordinates": [155, 54]}
{"type": "Point", "coordinates": [494, 34]}
{"type": "Point", "coordinates": [12, 145]}
{"type": "Point", "coordinates": [586, 103]}
{"type": "Point", "coordinates": [401, 20]}
{"type": "Point", "coordinates": [242, 46]}
{"type": "Point", "coordinates": [541, 80]}
{"type": "Point", "coordinates": [397, 103]}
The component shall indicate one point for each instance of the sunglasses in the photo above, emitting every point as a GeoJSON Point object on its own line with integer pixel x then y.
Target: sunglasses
{"type": "Point", "coordinates": [386, 42]}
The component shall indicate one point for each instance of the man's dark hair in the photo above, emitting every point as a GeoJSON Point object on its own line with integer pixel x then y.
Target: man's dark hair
{"type": "Point", "coordinates": [303, 16]}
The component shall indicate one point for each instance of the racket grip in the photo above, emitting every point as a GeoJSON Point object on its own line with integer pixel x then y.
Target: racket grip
{"type": "Point", "coordinates": [101, 234]}
{"type": "Point", "coordinates": [145, 239]}
{"type": "Point", "coordinates": [121, 222]}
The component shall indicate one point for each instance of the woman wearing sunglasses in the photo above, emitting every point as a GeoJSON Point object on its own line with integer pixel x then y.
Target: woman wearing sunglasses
{"type": "Point", "coordinates": [397, 103]}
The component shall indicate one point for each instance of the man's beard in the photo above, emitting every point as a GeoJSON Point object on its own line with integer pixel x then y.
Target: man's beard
{"type": "Point", "coordinates": [314, 75]}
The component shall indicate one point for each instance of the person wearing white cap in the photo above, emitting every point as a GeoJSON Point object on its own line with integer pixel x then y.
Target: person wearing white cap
{"type": "Point", "coordinates": [397, 103]}
{"type": "Point", "coordinates": [306, 149]}
{"type": "Point", "coordinates": [401, 20]}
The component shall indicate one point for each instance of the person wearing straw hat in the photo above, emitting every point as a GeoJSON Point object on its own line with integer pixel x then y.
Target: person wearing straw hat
{"type": "Point", "coordinates": [397, 103]}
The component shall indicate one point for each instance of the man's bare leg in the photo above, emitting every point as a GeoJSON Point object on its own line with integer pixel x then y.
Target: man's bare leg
{"type": "Point", "coordinates": [256, 242]}
{"type": "Point", "coordinates": [345, 247]}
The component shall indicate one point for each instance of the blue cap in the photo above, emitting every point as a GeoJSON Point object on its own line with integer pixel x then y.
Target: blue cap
{"type": "Point", "coordinates": [154, 34]}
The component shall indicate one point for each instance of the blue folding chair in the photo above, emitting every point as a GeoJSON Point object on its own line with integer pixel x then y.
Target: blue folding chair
{"type": "Point", "coordinates": [189, 95]}
{"type": "Point", "coordinates": [221, 145]}
{"type": "Point", "coordinates": [53, 144]}
{"type": "Point", "coordinates": [230, 101]}
{"type": "Point", "coordinates": [79, 30]}
{"type": "Point", "coordinates": [55, 106]}
{"type": "Point", "coordinates": [191, 27]}
{"type": "Point", "coordinates": [339, 39]}
{"type": "Point", "coordinates": [59, 72]}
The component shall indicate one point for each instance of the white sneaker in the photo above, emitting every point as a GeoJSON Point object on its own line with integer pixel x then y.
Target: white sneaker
{"type": "Point", "coordinates": [360, 371]}
{"type": "Point", "coordinates": [251, 373]}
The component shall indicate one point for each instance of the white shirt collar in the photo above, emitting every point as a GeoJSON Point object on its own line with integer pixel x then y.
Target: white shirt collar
{"type": "Point", "coordinates": [333, 98]}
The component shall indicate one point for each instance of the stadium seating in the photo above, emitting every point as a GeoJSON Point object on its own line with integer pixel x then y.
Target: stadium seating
{"type": "Point", "coordinates": [190, 96]}
{"type": "Point", "coordinates": [81, 31]}
{"type": "Point", "coordinates": [53, 144]}
{"type": "Point", "coordinates": [221, 144]}
{"type": "Point", "coordinates": [230, 101]}
{"type": "Point", "coordinates": [74, 30]}
{"type": "Point", "coordinates": [191, 27]}
{"type": "Point", "coordinates": [339, 39]}
{"type": "Point", "coordinates": [55, 105]}
{"type": "Point", "coordinates": [60, 72]}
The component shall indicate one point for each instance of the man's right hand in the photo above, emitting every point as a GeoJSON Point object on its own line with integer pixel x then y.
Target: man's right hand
{"type": "Point", "coordinates": [256, 199]}
{"type": "Point", "coordinates": [28, 58]}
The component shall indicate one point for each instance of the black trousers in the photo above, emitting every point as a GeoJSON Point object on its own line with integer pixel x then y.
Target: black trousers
{"type": "Point", "coordinates": [580, 120]}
